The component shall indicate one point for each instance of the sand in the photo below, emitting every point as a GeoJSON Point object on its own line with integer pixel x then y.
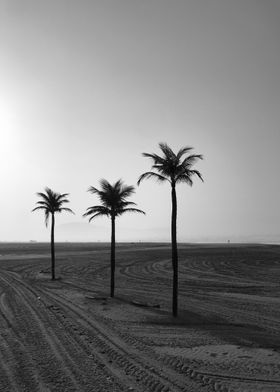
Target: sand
{"type": "Point", "coordinates": [69, 335]}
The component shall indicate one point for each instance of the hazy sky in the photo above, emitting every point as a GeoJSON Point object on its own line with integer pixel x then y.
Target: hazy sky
{"type": "Point", "coordinates": [87, 86]}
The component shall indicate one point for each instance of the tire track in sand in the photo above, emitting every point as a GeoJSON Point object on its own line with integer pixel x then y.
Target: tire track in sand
{"type": "Point", "coordinates": [53, 359]}
{"type": "Point", "coordinates": [141, 372]}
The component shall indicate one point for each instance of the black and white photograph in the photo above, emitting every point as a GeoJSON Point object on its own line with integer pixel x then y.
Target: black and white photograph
{"type": "Point", "coordinates": [140, 195]}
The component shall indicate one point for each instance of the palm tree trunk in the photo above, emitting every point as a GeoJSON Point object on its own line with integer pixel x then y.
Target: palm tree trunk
{"type": "Point", "coordinates": [174, 251]}
{"type": "Point", "coordinates": [113, 258]}
{"type": "Point", "coordinates": [52, 248]}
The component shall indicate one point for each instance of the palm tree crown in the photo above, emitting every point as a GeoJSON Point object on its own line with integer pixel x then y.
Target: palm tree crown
{"type": "Point", "coordinates": [113, 200]}
{"type": "Point", "coordinates": [51, 203]}
{"type": "Point", "coordinates": [172, 167]}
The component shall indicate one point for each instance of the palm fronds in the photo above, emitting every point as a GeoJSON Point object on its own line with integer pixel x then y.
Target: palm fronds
{"type": "Point", "coordinates": [52, 202]}
{"type": "Point", "coordinates": [113, 199]}
{"type": "Point", "coordinates": [172, 167]}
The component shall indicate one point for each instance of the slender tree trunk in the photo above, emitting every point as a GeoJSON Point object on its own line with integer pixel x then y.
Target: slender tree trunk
{"type": "Point", "coordinates": [113, 258]}
{"type": "Point", "coordinates": [174, 251]}
{"type": "Point", "coordinates": [52, 248]}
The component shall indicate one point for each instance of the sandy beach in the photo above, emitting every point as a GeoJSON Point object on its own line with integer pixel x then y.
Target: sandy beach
{"type": "Point", "coordinates": [69, 335]}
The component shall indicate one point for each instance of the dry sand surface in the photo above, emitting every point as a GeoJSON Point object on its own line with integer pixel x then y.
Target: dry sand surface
{"type": "Point", "coordinates": [68, 335]}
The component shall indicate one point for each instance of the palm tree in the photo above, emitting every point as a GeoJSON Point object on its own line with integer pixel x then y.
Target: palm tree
{"type": "Point", "coordinates": [52, 202]}
{"type": "Point", "coordinates": [113, 204]}
{"type": "Point", "coordinates": [174, 169]}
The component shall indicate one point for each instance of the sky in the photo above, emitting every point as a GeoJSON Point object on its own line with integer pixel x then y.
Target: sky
{"type": "Point", "coordinates": [87, 86]}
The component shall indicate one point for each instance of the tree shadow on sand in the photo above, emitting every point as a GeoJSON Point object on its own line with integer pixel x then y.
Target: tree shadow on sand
{"type": "Point", "coordinates": [245, 334]}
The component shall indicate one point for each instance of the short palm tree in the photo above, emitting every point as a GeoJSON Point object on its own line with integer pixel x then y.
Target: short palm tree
{"type": "Point", "coordinates": [113, 204]}
{"type": "Point", "coordinates": [52, 202]}
{"type": "Point", "coordinates": [174, 169]}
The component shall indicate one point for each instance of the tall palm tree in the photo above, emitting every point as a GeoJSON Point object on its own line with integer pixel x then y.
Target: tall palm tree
{"type": "Point", "coordinates": [113, 204]}
{"type": "Point", "coordinates": [174, 169]}
{"type": "Point", "coordinates": [52, 202]}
